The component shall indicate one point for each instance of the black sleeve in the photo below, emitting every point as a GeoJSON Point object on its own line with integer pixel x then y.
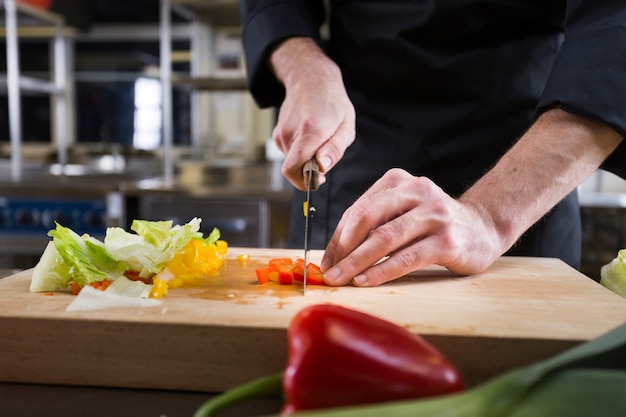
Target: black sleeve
{"type": "Point", "coordinates": [265, 24]}
{"type": "Point", "coordinates": [589, 75]}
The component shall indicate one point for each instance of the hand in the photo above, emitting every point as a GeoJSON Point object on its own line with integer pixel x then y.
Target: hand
{"type": "Point", "coordinates": [409, 223]}
{"type": "Point", "coordinates": [316, 119]}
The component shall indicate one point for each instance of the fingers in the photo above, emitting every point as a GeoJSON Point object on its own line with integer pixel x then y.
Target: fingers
{"type": "Point", "coordinates": [376, 225]}
{"type": "Point", "coordinates": [314, 141]}
{"type": "Point", "coordinates": [317, 119]}
{"type": "Point", "coordinates": [401, 224]}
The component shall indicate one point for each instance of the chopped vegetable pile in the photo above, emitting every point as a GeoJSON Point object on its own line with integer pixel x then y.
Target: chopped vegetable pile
{"type": "Point", "coordinates": [285, 271]}
{"type": "Point", "coordinates": [157, 256]}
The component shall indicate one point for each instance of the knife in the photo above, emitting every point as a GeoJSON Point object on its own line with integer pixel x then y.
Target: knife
{"type": "Point", "coordinates": [310, 173]}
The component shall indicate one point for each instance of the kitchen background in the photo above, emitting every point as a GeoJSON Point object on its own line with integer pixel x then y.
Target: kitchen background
{"type": "Point", "coordinates": [94, 150]}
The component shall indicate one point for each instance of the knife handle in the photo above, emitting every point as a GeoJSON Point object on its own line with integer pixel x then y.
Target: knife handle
{"type": "Point", "coordinates": [311, 172]}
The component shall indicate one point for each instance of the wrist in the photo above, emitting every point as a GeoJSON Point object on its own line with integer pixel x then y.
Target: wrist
{"type": "Point", "coordinates": [297, 58]}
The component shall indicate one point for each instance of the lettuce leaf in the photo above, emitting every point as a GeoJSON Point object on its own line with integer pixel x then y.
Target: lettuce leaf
{"type": "Point", "coordinates": [213, 237]}
{"type": "Point", "coordinates": [50, 273]}
{"type": "Point", "coordinates": [154, 244]}
{"type": "Point", "coordinates": [613, 274]}
{"type": "Point", "coordinates": [86, 257]}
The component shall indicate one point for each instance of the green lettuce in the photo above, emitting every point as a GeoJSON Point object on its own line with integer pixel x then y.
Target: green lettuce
{"type": "Point", "coordinates": [86, 257]}
{"type": "Point", "coordinates": [153, 245]}
{"type": "Point", "coordinates": [51, 273]}
{"type": "Point", "coordinates": [213, 237]}
{"type": "Point", "coordinates": [613, 274]}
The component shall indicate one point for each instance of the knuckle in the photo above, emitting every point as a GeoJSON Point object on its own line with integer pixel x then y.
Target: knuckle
{"type": "Point", "coordinates": [405, 260]}
{"type": "Point", "coordinates": [395, 174]}
{"type": "Point", "coordinates": [385, 236]}
{"type": "Point", "coordinates": [441, 211]}
{"type": "Point", "coordinates": [356, 213]}
{"type": "Point", "coordinates": [450, 245]}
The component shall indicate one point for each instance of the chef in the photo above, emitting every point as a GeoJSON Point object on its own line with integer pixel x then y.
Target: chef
{"type": "Point", "coordinates": [447, 132]}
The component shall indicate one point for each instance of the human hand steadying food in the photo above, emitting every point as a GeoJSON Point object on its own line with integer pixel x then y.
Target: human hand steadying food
{"type": "Point", "coordinates": [409, 222]}
{"type": "Point", "coordinates": [316, 118]}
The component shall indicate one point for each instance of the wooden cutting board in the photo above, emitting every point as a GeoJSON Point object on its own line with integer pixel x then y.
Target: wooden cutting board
{"type": "Point", "coordinates": [229, 329]}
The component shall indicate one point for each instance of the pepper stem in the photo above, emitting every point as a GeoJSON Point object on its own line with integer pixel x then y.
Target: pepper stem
{"type": "Point", "coordinates": [270, 386]}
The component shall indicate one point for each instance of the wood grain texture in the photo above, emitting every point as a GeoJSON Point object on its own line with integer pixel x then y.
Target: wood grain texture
{"type": "Point", "coordinates": [228, 329]}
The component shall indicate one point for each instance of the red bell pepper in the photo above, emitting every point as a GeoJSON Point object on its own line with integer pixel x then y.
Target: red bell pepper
{"type": "Point", "coordinates": [285, 271]}
{"type": "Point", "coordinates": [340, 357]}
{"type": "Point", "coordinates": [263, 274]}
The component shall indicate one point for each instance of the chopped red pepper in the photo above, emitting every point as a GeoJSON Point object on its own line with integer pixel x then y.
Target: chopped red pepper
{"type": "Point", "coordinates": [287, 272]}
{"type": "Point", "coordinates": [340, 357]}
{"type": "Point", "coordinates": [263, 274]}
{"type": "Point", "coordinates": [75, 287]}
{"type": "Point", "coordinates": [134, 276]}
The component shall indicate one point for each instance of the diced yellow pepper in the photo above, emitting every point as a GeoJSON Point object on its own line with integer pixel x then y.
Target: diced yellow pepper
{"type": "Point", "coordinates": [159, 288]}
{"type": "Point", "coordinates": [222, 247]}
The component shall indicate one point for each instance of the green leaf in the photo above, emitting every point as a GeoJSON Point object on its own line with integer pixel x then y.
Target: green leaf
{"type": "Point", "coordinates": [86, 257]}
{"type": "Point", "coordinates": [154, 244]}
{"type": "Point", "coordinates": [613, 274]}
{"type": "Point", "coordinates": [577, 393]}
{"type": "Point", "coordinates": [51, 273]}
{"type": "Point", "coordinates": [213, 237]}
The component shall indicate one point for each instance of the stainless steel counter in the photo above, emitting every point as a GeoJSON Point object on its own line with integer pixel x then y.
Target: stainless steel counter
{"type": "Point", "coordinates": [249, 203]}
{"type": "Point", "coordinates": [259, 180]}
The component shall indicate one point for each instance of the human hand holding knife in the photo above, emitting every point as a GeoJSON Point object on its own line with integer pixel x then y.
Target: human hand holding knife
{"type": "Point", "coordinates": [310, 173]}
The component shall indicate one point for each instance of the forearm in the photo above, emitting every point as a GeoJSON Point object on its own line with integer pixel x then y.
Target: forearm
{"type": "Point", "coordinates": [298, 59]}
{"type": "Point", "coordinates": [557, 153]}
{"type": "Point", "coordinates": [316, 118]}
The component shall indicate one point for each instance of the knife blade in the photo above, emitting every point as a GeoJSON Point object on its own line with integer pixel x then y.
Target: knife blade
{"type": "Point", "coordinates": [310, 173]}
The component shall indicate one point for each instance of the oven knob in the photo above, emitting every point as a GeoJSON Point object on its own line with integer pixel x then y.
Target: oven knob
{"type": "Point", "coordinates": [48, 218]}
{"type": "Point", "coordinates": [25, 217]}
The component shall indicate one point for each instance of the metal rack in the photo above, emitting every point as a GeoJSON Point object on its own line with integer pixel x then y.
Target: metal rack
{"type": "Point", "coordinates": [207, 15]}
{"type": "Point", "coordinates": [16, 83]}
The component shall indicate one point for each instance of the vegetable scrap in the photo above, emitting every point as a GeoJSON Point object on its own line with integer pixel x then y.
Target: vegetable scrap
{"type": "Point", "coordinates": [613, 274]}
{"type": "Point", "coordinates": [158, 256]}
{"type": "Point", "coordinates": [286, 271]}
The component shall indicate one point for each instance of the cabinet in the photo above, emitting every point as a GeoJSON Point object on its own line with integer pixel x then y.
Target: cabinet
{"type": "Point", "coordinates": [21, 15]}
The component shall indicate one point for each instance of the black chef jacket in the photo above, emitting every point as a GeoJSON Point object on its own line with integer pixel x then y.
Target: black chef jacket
{"type": "Point", "coordinates": [442, 88]}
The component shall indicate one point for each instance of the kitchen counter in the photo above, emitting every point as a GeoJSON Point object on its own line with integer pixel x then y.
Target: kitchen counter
{"type": "Point", "coordinates": [249, 203]}
{"type": "Point", "coordinates": [258, 179]}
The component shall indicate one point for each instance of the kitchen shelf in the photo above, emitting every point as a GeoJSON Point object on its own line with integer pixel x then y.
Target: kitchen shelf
{"type": "Point", "coordinates": [209, 83]}
{"type": "Point", "coordinates": [214, 12]}
{"type": "Point", "coordinates": [31, 85]}
{"type": "Point", "coordinates": [211, 15]}
{"type": "Point", "coordinates": [19, 18]}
